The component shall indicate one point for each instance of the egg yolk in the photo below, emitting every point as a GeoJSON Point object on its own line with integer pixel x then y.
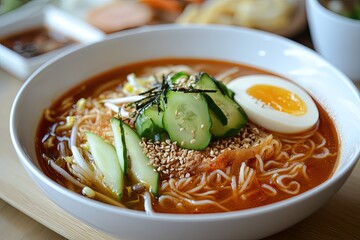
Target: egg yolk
{"type": "Point", "coordinates": [278, 98]}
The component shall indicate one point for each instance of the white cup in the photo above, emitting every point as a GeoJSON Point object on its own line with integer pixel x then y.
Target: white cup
{"type": "Point", "coordinates": [336, 38]}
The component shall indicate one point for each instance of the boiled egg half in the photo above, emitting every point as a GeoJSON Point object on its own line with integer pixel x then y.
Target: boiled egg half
{"type": "Point", "coordinates": [274, 103]}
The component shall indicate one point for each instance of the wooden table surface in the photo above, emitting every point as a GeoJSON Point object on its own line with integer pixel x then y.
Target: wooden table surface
{"type": "Point", "coordinates": [26, 213]}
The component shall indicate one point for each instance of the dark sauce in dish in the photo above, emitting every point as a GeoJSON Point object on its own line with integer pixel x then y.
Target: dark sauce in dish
{"type": "Point", "coordinates": [35, 42]}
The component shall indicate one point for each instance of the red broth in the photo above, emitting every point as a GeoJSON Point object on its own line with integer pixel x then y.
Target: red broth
{"type": "Point", "coordinates": [317, 170]}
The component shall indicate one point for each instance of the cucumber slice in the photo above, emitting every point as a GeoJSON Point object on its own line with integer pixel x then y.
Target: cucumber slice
{"type": "Point", "coordinates": [236, 120]}
{"type": "Point", "coordinates": [236, 117]}
{"type": "Point", "coordinates": [107, 161]}
{"type": "Point", "coordinates": [177, 76]}
{"type": "Point", "coordinates": [139, 162]}
{"type": "Point", "coordinates": [224, 89]}
{"type": "Point", "coordinates": [186, 119]}
{"type": "Point", "coordinates": [218, 113]}
{"type": "Point", "coordinates": [119, 142]}
{"type": "Point", "coordinates": [223, 98]}
{"type": "Point", "coordinates": [154, 114]}
{"type": "Point", "coordinates": [148, 123]}
{"type": "Point", "coordinates": [205, 81]}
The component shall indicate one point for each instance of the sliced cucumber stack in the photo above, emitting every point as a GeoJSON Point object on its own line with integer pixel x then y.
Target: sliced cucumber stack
{"type": "Point", "coordinates": [139, 165]}
{"type": "Point", "coordinates": [126, 157]}
{"type": "Point", "coordinates": [186, 119]}
{"type": "Point", "coordinates": [119, 142]}
{"type": "Point", "coordinates": [106, 160]}
{"type": "Point", "coordinates": [131, 156]}
{"type": "Point", "coordinates": [189, 113]}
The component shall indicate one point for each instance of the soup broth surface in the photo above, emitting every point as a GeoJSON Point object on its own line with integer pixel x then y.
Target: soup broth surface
{"type": "Point", "coordinates": [298, 163]}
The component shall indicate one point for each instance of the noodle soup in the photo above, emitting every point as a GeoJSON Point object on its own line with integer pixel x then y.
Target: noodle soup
{"type": "Point", "coordinates": [245, 167]}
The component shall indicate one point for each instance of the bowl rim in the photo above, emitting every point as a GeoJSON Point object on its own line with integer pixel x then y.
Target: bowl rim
{"type": "Point", "coordinates": [33, 170]}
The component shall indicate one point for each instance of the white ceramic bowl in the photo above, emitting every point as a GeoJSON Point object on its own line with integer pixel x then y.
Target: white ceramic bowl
{"type": "Point", "coordinates": [336, 38]}
{"type": "Point", "coordinates": [329, 86]}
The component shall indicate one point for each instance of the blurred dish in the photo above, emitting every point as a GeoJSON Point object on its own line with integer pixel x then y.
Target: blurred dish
{"type": "Point", "coordinates": [119, 15]}
{"type": "Point", "coordinates": [113, 16]}
{"type": "Point", "coordinates": [37, 41]}
{"type": "Point", "coordinates": [48, 17]}
{"type": "Point", "coordinates": [283, 17]}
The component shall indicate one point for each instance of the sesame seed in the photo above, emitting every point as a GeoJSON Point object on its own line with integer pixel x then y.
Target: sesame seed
{"type": "Point", "coordinates": [173, 161]}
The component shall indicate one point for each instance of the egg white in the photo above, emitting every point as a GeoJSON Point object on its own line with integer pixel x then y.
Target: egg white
{"type": "Point", "coordinates": [267, 117]}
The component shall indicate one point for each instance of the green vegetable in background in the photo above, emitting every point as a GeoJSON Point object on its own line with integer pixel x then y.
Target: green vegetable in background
{"type": "Point", "coordinates": [346, 8]}
{"type": "Point", "coordinates": [355, 14]}
{"type": "Point", "coordinates": [9, 5]}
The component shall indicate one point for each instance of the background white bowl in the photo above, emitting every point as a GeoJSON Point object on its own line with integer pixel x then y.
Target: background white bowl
{"type": "Point", "coordinates": [330, 87]}
{"type": "Point", "coordinates": [336, 38]}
